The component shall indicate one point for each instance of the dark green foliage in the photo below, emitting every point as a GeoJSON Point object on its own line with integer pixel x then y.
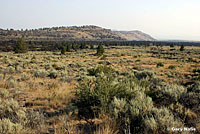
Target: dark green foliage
{"type": "Point", "coordinates": [94, 96]}
{"type": "Point", "coordinates": [91, 46]}
{"type": "Point", "coordinates": [63, 50]}
{"type": "Point", "coordinates": [101, 69]}
{"type": "Point", "coordinates": [172, 45]}
{"type": "Point", "coordinates": [172, 67]}
{"type": "Point", "coordinates": [144, 75]}
{"type": "Point", "coordinates": [191, 99]}
{"type": "Point", "coordinates": [57, 67]}
{"type": "Point", "coordinates": [21, 46]}
{"type": "Point", "coordinates": [100, 50]}
{"type": "Point", "coordinates": [60, 45]}
{"type": "Point", "coordinates": [69, 47]}
{"type": "Point", "coordinates": [31, 43]}
{"type": "Point", "coordinates": [166, 94]}
{"type": "Point", "coordinates": [160, 64]}
{"type": "Point", "coordinates": [182, 48]}
{"type": "Point", "coordinates": [83, 46]}
{"type": "Point", "coordinates": [192, 60]}
{"type": "Point", "coordinates": [75, 46]}
{"type": "Point", "coordinates": [196, 70]}
{"type": "Point", "coordinates": [138, 60]}
{"type": "Point", "coordinates": [53, 75]}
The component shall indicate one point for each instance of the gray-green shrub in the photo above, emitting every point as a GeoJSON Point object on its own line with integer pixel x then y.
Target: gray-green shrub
{"type": "Point", "coordinates": [160, 121]}
{"type": "Point", "coordinates": [40, 73]}
{"type": "Point", "coordinates": [14, 118]}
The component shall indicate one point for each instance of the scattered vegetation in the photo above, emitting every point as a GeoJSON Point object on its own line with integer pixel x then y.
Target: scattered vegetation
{"type": "Point", "coordinates": [124, 91]}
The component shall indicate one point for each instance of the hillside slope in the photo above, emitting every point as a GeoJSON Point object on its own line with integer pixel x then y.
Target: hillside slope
{"type": "Point", "coordinates": [134, 35]}
{"type": "Point", "coordinates": [83, 33]}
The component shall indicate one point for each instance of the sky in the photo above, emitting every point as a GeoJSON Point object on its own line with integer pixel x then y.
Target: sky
{"type": "Point", "coordinates": [162, 19]}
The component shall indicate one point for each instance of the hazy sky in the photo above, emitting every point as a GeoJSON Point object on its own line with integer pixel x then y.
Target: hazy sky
{"type": "Point", "coordinates": [163, 19]}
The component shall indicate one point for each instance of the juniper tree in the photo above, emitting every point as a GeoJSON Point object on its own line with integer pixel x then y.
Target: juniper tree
{"type": "Point", "coordinates": [100, 50]}
{"type": "Point", "coordinates": [91, 46]}
{"type": "Point", "coordinates": [83, 45]}
{"type": "Point", "coordinates": [69, 47]}
{"type": "Point", "coordinates": [21, 46]}
{"type": "Point", "coordinates": [63, 50]}
{"type": "Point", "coordinates": [182, 48]}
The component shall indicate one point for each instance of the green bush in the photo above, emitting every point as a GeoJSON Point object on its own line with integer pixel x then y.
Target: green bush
{"type": "Point", "coordinates": [100, 69]}
{"type": "Point", "coordinates": [191, 100]}
{"type": "Point", "coordinates": [161, 120]}
{"type": "Point", "coordinates": [8, 127]}
{"type": "Point", "coordinates": [11, 82]}
{"type": "Point", "coordinates": [167, 94]}
{"type": "Point", "coordinates": [182, 48]}
{"type": "Point", "coordinates": [34, 119]}
{"type": "Point", "coordinates": [24, 77]}
{"type": "Point", "coordinates": [91, 46]}
{"type": "Point", "coordinates": [172, 67]}
{"type": "Point", "coordinates": [94, 96]}
{"type": "Point", "coordinates": [18, 69]}
{"type": "Point", "coordinates": [138, 60]}
{"type": "Point", "coordinates": [160, 64]}
{"type": "Point", "coordinates": [58, 66]}
{"type": "Point", "coordinates": [144, 74]}
{"type": "Point", "coordinates": [66, 79]}
{"type": "Point", "coordinates": [129, 112]}
{"type": "Point", "coordinates": [4, 93]}
{"type": "Point", "coordinates": [100, 50]}
{"type": "Point", "coordinates": [14, 118]}
{"type": "Point", "coordinates": [10, 109]}
{"type": "Point", "coordinates": [10, 70]}
{"type": "Point", "coordinates": [140, 105]}
{"type": "Point", "coordinates": [119, 110]}
{"type": "Point", "coordinates": [195, 87]}
{"type": "Point", "coordinates": [196, 70]}
{"type": "Point", "coordinates": [63, 50]}
{"type": "Point", "coordinates": [40, 73]}
{"type": "Point", "coordinates": [53, 75]}
{"type": "Point", "coordinates": [21, 46]}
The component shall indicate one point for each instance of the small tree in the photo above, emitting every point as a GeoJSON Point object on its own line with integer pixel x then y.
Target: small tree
{"type": "Point", "coordinates": [100, 50]}
{"type": "Point", "coordinates": [91, 46]}
{"type": "Point", "coordinates": [31, 43]}
{"type": "Point", "coordinates": [83, 46]}
{"type": "Point", "coordinates": [172, 45]}
{"type": "Point", "coordinates": [182, 48]}
{"type": "Point", "coordinates": [21, 46]}
{"type": "Point", "coordinates": [75, 46]}
{"type": "Point", "coordinates": [63, 50]}
{"type": "Point", "coordinates": [69, 47]}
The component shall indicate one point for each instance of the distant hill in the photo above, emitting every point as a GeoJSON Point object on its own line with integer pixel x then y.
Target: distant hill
{"type": "Point", "coordinates": [134, 35]}
{"type": "Point", "coordinates": [82, 33]}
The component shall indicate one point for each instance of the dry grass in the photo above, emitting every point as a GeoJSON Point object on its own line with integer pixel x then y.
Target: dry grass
{"type": "Point", "coordinates": [53, 96]}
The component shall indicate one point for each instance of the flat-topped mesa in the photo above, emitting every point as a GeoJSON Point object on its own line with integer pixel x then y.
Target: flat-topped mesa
{"type": "Point", "coordinates": [76, 33]}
